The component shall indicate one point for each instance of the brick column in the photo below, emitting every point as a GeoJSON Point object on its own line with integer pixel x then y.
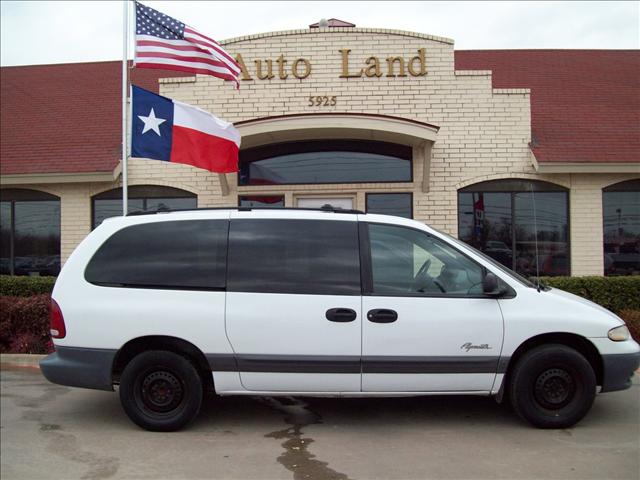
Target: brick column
{"type": "Point", "coordinates": [585, 218]}
{"type": "Point", "coordinates": [75, 217]}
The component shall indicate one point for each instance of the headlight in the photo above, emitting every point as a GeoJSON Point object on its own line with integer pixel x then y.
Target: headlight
{"type": "Point", "coordinates": [619, 334]}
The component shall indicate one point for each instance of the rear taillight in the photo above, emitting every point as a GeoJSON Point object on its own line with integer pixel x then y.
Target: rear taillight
{"type": "Point", "coordinates": [58, 329]}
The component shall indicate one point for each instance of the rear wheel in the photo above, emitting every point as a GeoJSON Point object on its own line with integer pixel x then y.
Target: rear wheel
{"type": "Point", "coordinates": [552, 386]}
{"type": "Point", "coordinates": [161, 391]}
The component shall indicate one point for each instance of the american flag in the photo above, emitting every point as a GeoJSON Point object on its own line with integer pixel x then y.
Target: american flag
{"type": "Point", "coordinates": [164, 42]}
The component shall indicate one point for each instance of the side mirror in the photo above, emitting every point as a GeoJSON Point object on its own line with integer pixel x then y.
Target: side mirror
{"type": "Point", "coordinates": [490, 285]}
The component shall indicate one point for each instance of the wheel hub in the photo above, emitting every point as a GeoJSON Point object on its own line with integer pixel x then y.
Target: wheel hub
{"type": "Point", "coordinates": [554, 388]}
{"type": "Point", "coordinates": [161, 391]}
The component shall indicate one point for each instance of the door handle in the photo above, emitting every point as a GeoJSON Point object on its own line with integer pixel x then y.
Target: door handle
{"type": "Point", "coordinates": [341, 315]}
{"type": "Point", "coordinates": [382, 315]}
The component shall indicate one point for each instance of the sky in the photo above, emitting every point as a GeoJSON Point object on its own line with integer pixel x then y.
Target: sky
{"type": "Point", "coordinates": [82, 31]}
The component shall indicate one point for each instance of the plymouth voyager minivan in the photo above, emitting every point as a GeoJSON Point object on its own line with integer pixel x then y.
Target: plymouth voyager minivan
{"type": "Point", "coordinates": [329, 302]}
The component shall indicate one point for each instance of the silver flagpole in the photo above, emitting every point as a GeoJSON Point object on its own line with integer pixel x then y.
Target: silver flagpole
{"type": "Point", "coordinates": [125, 42]}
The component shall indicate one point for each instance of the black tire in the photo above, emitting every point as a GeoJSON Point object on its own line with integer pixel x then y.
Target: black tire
{"type": "Point", "coordinates": [552, 386]}
{"type": "Point", "coordinates": [161, 391]}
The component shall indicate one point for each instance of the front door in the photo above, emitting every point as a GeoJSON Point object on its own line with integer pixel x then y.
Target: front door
{"type": "Point", "coordinates": [428, 326]}
{"type": "Point", "coordinates": [293, 308]}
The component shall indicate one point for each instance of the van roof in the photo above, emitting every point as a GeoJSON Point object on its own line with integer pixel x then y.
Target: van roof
{"type": "Point", "coordinates": [326, 208]}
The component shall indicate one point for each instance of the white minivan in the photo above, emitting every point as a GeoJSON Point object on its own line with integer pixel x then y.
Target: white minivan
{"type": "Point", "coordinates": [321, 302]}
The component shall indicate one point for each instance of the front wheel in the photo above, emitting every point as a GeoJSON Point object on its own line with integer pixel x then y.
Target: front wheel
{"type": "Point", "coordinates": [552, 386]}
{"type": "Point", "coordinates": [160, 391]}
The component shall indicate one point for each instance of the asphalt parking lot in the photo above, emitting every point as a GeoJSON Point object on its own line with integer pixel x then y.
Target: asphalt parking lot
{"type": "Point", "coordinates": [49, 431]}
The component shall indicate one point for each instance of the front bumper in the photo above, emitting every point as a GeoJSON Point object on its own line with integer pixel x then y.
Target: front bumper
{"type": "Point", "coordinates": [618, 369]}
{"type": "Point", "coordinates": [79, 367]}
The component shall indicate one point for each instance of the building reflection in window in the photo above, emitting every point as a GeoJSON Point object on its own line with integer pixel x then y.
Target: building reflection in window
{"type": "Point", "coordinates": [498, 217]}
{"type": "Point", "coordinates": [621, 228]}
{"type": "Point", "coordinates": [324, 161]}
{"type": "Point", "coordinates": [398, 204]}
{"type": "Point", "coordinates": [30, 232]}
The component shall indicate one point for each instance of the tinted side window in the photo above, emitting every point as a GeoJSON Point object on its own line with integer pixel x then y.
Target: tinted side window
{"type": "Point", "coordinates": [188, 254]}
{"type": "Point", "coordinates": [408, 262]}
{"type": "Point", "coordinates": [294, 256]}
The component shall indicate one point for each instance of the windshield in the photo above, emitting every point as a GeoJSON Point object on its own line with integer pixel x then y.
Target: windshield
{"type": "Point", "coordinates": [516, 276]}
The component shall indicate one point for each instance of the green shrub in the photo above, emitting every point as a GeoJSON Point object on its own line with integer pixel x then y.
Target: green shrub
{"type": "Point", "coordinates": [25, 286]}
{"type": "Point", "coordinates": [613, 293]}
{"type": "Point", "coordinates": [24, 324]}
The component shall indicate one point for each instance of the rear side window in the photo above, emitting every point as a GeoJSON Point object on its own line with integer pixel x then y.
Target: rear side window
{"type": "Point", "coordinates": [294, 256]}
{"type": "Point", "coordinates": [188, 254]}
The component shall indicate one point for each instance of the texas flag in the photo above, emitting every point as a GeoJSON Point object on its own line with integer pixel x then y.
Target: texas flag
{"type": "Point", "coordinates": [172, 131]}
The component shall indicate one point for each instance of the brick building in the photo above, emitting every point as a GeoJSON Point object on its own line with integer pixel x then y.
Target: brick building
{"type": "Point", "coordinates": [504, 149]}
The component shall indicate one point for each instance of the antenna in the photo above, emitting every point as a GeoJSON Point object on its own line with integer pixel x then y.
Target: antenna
{"type": "Point", "coordinates": [535, 226]}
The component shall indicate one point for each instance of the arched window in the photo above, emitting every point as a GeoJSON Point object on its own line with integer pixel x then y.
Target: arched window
{"type": "Point", "coordinates": [325, 161]}
{"type": "Point", "coordinates": [30, 232]}
{"type": "Point", "coordinates": [142, 198]}
{"type": "Point", "coordinates": [621, 228]}
{"type": "Point", "coordinates": [514, 221]}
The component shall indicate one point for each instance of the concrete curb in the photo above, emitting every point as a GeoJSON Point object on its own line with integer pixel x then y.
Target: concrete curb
{"type": "Point", "coordinates": [20, 359]}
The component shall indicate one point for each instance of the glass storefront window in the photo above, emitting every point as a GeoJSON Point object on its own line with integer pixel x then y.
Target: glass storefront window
{"type": "Point", "coordinates": [621, 228]}
{"type": "Point", "coordinates": [322, 161]}
{"type": "Point", "coordinates": [398, 204]}
{"type": "Point", "coordinates": [261, 201]}
{"type": "Point", "coordinates": [6, 240]}
{"type": "Point", "coordinates": [510, 220]}
{"type": "Point", "coordinates": [30, 231]}
{"type": "Point", "coordinates": [142, 198]}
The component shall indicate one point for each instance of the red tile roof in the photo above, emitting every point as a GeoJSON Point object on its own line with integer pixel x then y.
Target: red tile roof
{"type": "Point", "coordinates": [585, 107]}
{"type": "Point", "coordinates": [64, 118]}
{"type": "Point", "coordinates": [585, 104]}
